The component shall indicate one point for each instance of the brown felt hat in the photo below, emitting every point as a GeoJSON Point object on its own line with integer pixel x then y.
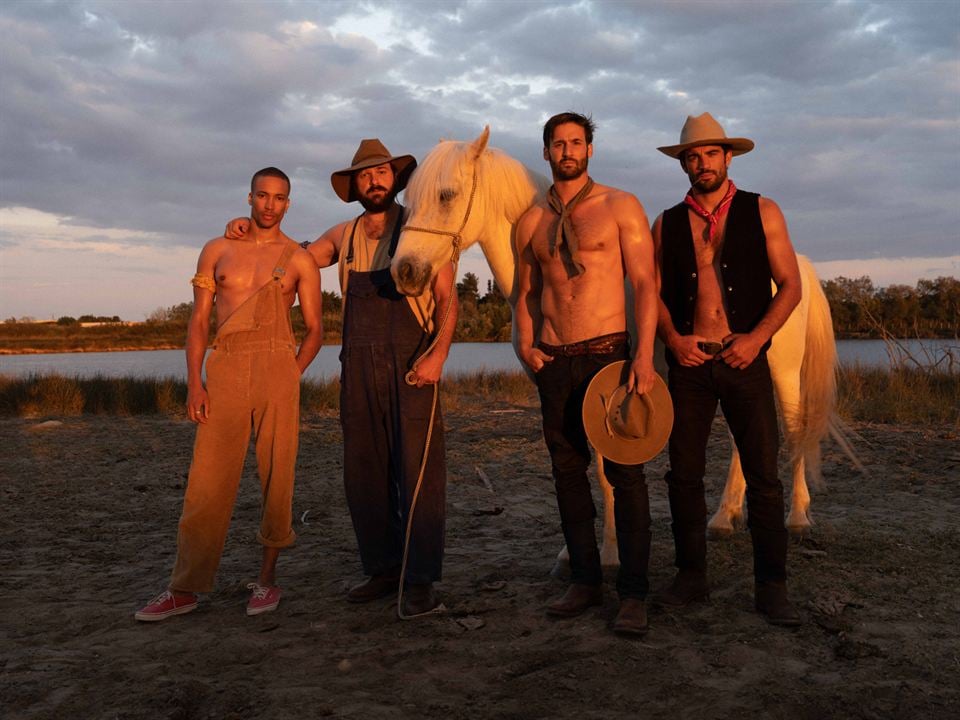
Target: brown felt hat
{"type": "Point", "coordinates": [371, 153]}
{"type": "Point", "coordinates": [704, 130]}
{"type": "Point", "coordinates": [626, 427]}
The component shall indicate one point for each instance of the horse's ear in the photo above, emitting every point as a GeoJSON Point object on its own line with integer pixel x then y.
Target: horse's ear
{"type": "Point", "coordinates": [480, 144]}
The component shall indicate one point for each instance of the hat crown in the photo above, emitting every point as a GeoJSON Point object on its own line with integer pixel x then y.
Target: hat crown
{"type": "Point", "coordinates": [629, 414]}
{"type": "Point", "coordinates": [371, 149]}
{"type": "Point", "coordinates": [703, 127]}
{"type": "Point", "coordinates": [705, 130]}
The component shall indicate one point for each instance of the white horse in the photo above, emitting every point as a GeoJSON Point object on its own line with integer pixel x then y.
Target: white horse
{"type": "Point", "coordinates": [466, 192]}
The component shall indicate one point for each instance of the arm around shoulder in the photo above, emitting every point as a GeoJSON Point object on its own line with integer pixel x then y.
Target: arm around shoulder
{"type": "Point", "coordinates": [325, 250]}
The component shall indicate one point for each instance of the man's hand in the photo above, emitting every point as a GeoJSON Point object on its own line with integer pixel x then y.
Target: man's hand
{"type": "Point", "coordinates": [428, 370]}
{"type": "Point", "coordinates": [535, 359]}
{"type": "Point", "coordinates": [198, 405]}
{"type": "Point", "coordinates": [740, 350]}
{"type": "Point", "coordinates": [237, 228]}
{"type": "Point", "coordinates": [685, 349]}
{"type": "Point", "coordinates": [641, 377]}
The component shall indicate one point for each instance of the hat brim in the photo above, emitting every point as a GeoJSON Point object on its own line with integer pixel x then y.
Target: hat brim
{"type": "Point", "coordinates": [626, 451]}
{"type": "Point", "coordinates": [403, 167]}
{"type": "Point", "coordinates": [739, 146]}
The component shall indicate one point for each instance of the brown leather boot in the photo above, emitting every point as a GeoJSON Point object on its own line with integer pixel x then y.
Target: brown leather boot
{"type": "Point", "coordinates": [632, 618]}
{"type": "Point", "coordinates": [772, 602]}
{"type": "Point", "coordinates": [418, 600]}
{"type": "Point", "coordinates": [374, 587]}
{"type": "Point", "coordinates": [575, 601]}
{"type": "Point", "coordinates": [688, 586]}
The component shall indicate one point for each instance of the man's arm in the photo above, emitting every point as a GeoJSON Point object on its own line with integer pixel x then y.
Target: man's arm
{"type": "Point", "coordinates": [743, 349]}
{"type": "Point", "coordinates": [527, 315]}
{"type": "Point", "coordinates": [636, 247]}
{"type": "Point", "coordinates": [683, 347]}
{"type": "Point", "coordinates": [430, 368]}
{"type": "Point", "coordinates": [198, 333]}
{"type": "Point", "coordinates": [326, 248]}
{"type": "Point", "coordinates": [308, 291]}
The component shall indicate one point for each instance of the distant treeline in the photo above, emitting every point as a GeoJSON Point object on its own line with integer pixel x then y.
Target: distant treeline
{"type": "Point", "coordinates": [931, 309]}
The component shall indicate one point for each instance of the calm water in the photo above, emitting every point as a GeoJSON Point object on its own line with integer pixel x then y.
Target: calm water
{"type": "Point", "coordinates": [464, 358]}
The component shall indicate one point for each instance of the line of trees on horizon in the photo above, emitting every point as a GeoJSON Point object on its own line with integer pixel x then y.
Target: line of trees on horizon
{"type": "Point", "coordinates": [930, 309]}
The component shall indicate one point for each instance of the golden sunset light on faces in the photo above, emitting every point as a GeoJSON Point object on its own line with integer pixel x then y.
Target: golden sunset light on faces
{"type": "Point", "coordinates": [269, 201]}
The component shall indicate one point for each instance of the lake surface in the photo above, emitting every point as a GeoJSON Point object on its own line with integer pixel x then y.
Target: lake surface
{"type": "Point", "coordinates": [464, 358]}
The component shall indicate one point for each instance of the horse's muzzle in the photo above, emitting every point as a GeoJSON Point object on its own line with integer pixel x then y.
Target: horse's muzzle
{"type": "Point", "coordinates": [410, 276]}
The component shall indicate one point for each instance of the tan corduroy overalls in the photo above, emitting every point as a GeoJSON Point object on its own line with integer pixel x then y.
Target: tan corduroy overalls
{"type": "Point", "coordinates": [253, 382]}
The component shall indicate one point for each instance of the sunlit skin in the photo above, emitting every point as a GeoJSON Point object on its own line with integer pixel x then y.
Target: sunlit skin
{"type": "Point", "coordinates": [614, 236]}
{"type": "Point", "coordinates": [241, 266]}
{"type": "Point", "coordinates": [706, 167]}
{"type": "Point", "coordinates": [374, 187]}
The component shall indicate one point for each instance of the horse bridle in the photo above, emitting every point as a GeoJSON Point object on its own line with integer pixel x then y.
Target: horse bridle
{"type": "Point", "coordinates": [456, 238]}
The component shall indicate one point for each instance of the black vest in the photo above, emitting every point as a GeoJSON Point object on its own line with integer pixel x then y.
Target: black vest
{"type": "Point", "coordinates": [744, 269]}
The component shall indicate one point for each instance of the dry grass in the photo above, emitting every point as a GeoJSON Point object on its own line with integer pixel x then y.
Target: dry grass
{"type": "Point", "coordinates": [901, 395]}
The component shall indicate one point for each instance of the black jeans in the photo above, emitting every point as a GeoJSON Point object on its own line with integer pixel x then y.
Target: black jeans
{"type": "Point", "coordinates": [746, 398]}
{"type": "Point", "coordinates": [562, 384]}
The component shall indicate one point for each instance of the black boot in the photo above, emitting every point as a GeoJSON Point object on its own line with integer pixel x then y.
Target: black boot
{"type": "Point", "coordinates": [772, 602]}
{"type": "Point", "coordinates": [690, 583]}
{"type": "Point", "coordinates": [688, 586]}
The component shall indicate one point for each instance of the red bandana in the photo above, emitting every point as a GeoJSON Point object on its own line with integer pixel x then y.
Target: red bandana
{"type": "Point", "coordinates": [713, 218]}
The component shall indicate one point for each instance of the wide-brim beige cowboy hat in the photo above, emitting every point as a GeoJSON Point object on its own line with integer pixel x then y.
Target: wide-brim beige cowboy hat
{"type": "Point", "coordinates": [626, 427]}
{"type": "Point", "coordinates": [704, 130]}
{"type": "Point", "coordinates": [371, 153]}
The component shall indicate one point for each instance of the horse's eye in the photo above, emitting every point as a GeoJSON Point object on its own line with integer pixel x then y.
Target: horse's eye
{"type": "Point", "coordinates": [447, 194]}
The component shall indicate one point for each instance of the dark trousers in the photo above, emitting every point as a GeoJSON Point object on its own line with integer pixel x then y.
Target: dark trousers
{"type": "Point", "coordinates": [746, 399]}
{"type": "Point", "coordinates": [562, 384]}
{"type": "Point", "coordinates": [385, 423]}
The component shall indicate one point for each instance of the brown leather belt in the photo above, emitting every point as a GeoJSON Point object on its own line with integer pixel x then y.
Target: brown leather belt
{"type": "Point", "coordinates": [601, 345]}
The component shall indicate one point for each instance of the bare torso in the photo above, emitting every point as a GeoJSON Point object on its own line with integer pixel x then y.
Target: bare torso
{"type": "Point", "coordinates": [242, 267]}
{"type": "Point", "coordinates": [710, 316]}
{"type": "Point", "coordinates": [592, 303]}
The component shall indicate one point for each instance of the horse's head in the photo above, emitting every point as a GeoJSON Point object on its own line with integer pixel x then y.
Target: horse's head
{"type": "Point", "coordinates": [443, 210]}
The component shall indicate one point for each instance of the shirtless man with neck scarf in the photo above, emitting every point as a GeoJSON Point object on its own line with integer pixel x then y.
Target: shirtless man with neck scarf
{"type": "Point", "coordinates": [573, 250]}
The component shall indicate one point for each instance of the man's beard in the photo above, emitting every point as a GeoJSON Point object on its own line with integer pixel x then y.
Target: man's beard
{"type": "Point", "coordinates": [560, 172]}
{"type": "Point", "coordinates": [708, 185]}
{"type": "Point", "coordinates": [377, 206]}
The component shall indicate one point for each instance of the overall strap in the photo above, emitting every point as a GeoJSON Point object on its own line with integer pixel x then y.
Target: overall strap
{"type": "Point", "coordinates": [281, 267]}
{"type": "Point", "coordinates": [353, 231]}
{"type": "Point", "coordinates": [395, 238]}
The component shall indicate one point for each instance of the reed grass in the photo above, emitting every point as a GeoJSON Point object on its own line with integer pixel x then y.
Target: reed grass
{"type": "Point", "coordinates": [903, 395]}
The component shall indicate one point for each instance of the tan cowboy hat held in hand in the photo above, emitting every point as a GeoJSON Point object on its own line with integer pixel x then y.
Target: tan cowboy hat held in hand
{"type": "Point", "coordinates": [371, 153]}
{"type": "Point", "coordinates": [626, 427]}
{"type": "Point", "coordinates": [704, 130]}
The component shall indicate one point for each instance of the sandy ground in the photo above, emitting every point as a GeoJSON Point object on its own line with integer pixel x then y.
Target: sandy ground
{"type": "Point", "coordinates": [89, 525]}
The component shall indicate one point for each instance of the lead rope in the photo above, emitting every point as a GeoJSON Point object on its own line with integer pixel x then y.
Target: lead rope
{"type": "Point", "coordinates": [456, 240]}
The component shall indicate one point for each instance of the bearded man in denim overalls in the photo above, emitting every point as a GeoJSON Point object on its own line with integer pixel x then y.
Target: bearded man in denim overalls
{"type": "Point", "coordinates": [386, 415]}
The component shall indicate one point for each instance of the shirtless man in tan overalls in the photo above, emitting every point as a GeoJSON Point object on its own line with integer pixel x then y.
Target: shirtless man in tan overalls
{"type": "Point", "coordinates": [253, 382]}
{"type": "Point", "coordinates": [574, 250]}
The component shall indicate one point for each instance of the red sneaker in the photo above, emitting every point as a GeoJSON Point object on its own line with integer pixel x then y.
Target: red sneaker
{"type": "Point", "coordinates": [166, 605]}
{"type": "Point", "coordinates": [264, 598]}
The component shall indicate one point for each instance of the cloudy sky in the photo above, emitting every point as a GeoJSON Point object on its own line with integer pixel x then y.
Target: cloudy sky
{"type": "Point", "coordinates": [129, 130]}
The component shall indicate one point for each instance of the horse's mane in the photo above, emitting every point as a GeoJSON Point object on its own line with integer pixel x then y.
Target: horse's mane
{"type": "Point", "coordinates": [505, 187]}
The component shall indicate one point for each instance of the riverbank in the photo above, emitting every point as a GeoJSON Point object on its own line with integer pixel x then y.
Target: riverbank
{"type": "Point", "coordinates": [94, 501]}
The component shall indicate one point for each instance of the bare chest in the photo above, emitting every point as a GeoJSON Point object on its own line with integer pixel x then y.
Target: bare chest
{"type": "Point", "coordinates": [246, 269]}
{"type": "Point", "coordinates": [597, 234]}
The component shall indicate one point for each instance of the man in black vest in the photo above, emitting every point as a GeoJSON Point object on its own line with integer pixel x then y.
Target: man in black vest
{"type": "Point", "coordinates": [717, 252]}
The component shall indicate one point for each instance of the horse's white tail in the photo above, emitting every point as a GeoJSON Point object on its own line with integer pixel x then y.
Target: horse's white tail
{"type": "Point", "coordinates": [818, 379]}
